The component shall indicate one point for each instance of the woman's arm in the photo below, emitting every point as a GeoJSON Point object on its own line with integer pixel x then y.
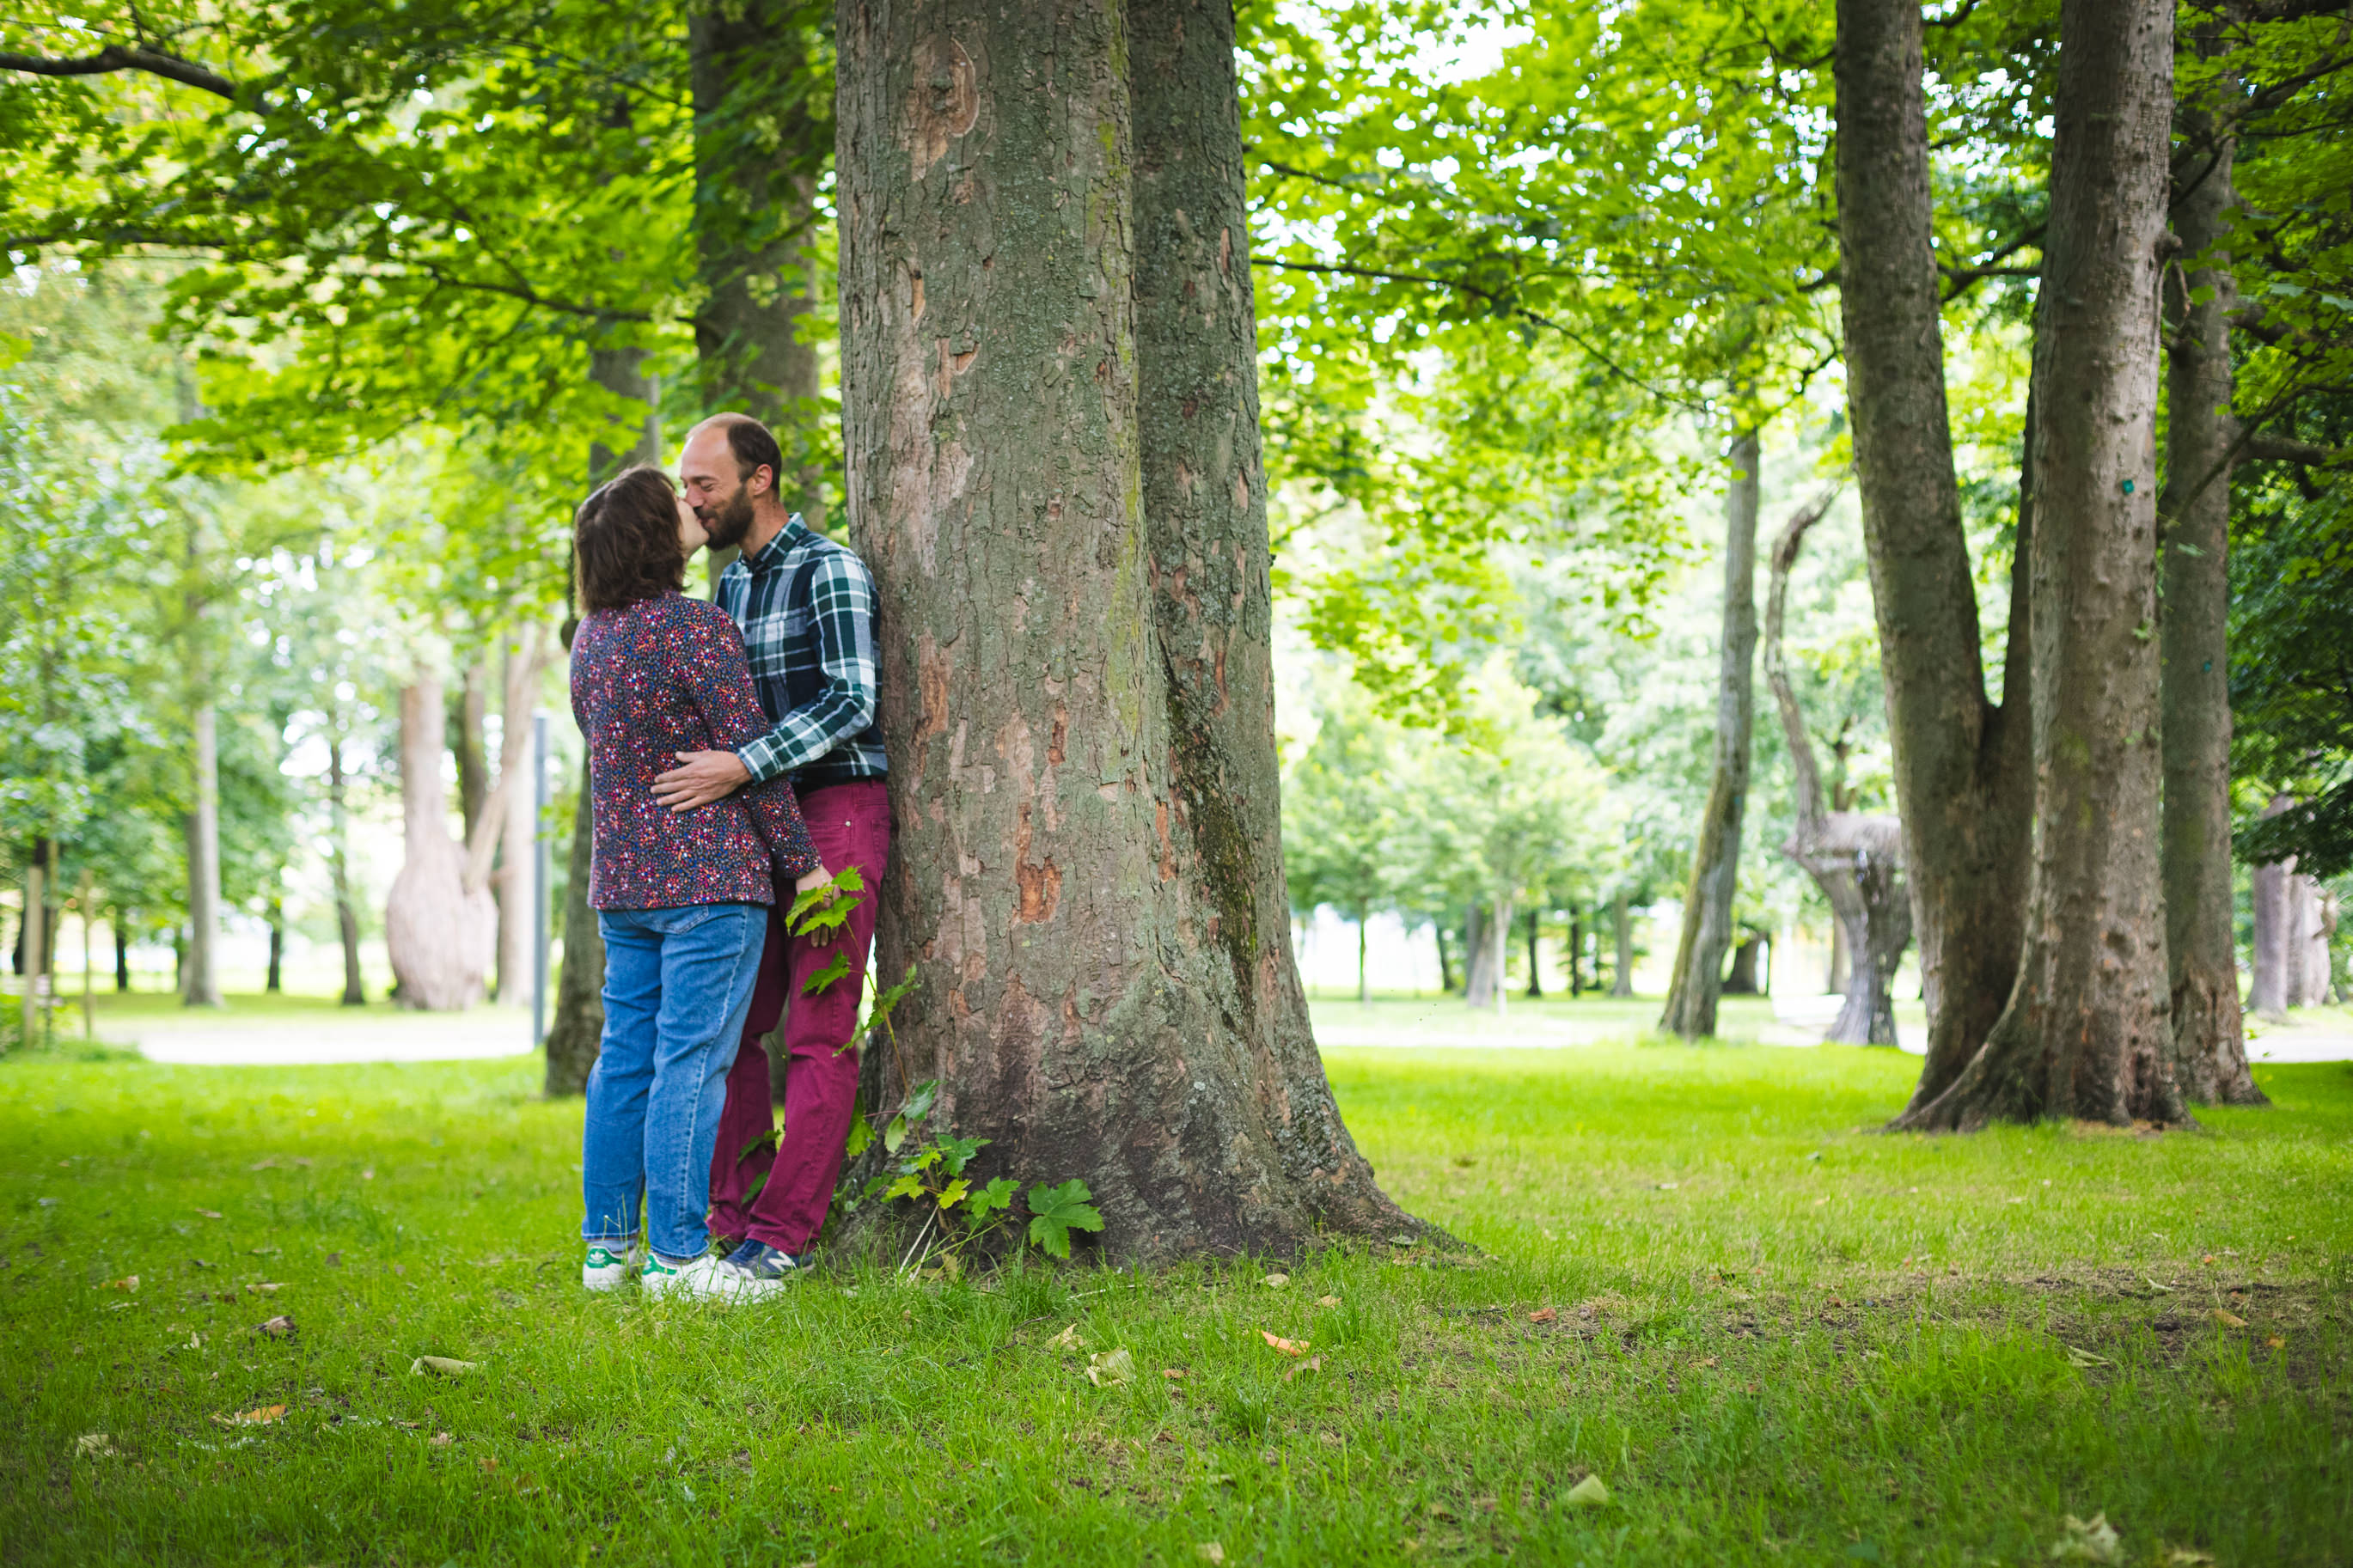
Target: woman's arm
{"type": "Point", "coordinates": [706, 655]}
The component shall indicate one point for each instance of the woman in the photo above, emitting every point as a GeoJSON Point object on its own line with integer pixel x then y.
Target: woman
{"type": "Point", "coordinates": [682, 899]}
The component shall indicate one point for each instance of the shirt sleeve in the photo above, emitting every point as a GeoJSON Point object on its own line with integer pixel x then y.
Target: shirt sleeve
{"type": "Point", "coordinates": [841, 617]}
{"type": "Point", "coordinates": [707, 658]}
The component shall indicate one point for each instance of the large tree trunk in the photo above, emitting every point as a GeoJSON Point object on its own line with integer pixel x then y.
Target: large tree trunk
{"type": "Point", "coordinates": [1963, 779]}
{"type": "Point", "coordinates": [348, 919]}
{"type": "Point", "coordinates": [759, 144]}
{"type": "Point", "coordinates": [1622, 973]}
{"type": "Point", "coordinates": [30, 944]}
{"type": "Point", "coordinates": [439, 931]}
{"type": "Point", "coordinates": [1095, 921]}
{"type": "Point", "coordinates": [2318, 976]}
{"type": "Point", "coordinates": [199, 973]}
{"type": "Point", "coordinates": [1490, 942]}
{"type": "Point", "coordinates": [1715, 865]}
{"type": "Point", "coordinates": [518, 874]}
{"type": "Point", "coordinates": [1740, 980]}
{"type": "Point", "coordinates": [575, 1033]}
{"type": "Point", "coordinates": [2087, 1032]}
{"type": "Point", "coordinates": [2209, 1037]}
{"type": "Point", "coordinates": [2297, 978]}
{"type": "Point", "coordinates": [1853, 859]}
{"type": "Point", "coordinates": [2267, 992]}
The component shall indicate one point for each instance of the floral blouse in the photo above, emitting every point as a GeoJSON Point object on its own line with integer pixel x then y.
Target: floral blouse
{"type": "Point", "coordinates": [661, 676]}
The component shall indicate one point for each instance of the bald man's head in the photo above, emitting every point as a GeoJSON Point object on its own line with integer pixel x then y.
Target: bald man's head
{"type": "Point", "coordinates": [730, 468]}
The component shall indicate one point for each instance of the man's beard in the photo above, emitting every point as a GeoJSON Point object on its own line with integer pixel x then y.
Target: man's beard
{"type": "Point", "coordinates": [727, 524]}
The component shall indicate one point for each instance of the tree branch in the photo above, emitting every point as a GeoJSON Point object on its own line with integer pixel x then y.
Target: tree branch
{"type": "Point", "coordinates": [2284, 449]}
{"type": "Point", "coordinates": [122, 58]}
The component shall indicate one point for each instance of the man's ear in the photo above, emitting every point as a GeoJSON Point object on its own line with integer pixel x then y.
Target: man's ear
{"type": "Point", "coordinates": [762, 482]}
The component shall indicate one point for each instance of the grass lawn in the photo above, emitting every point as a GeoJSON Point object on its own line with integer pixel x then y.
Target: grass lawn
{"type": "Point", "coordinates": [1775, 1336]}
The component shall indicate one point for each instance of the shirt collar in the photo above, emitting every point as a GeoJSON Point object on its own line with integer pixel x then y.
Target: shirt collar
{"type": "Point", "coordinates": [788, 539]}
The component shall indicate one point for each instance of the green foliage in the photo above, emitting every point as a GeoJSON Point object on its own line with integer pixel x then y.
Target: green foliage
{"type": "Point", "coordinates": [933, 1176]}
{"type": "Point", "coordinates": [1056, 1211]}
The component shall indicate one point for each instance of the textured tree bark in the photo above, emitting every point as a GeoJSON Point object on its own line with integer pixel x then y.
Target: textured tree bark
{"type": "Point", "coordinates": [2209, 1037]}
{"type": "Point", "coordinates": [466, 715]}
{"type": "Point", "coordinates": [1621, 974]}
{"type": "Point", "coordinates": [2087, 1032]}
{"type": "Point", "coordinates": [1715, 865]}
{"type": "Point", "coordinates": [1853, 858]}
{"type": "Point", "coordinates": [577, 1028]}
{"type": "Point", "coordinates": [2267, 992]}
{"type": "Point", "coordinates": [2296, 968]}
{"type": "Point", "coordinates": [1490, 941]}
{"type": "Point", "coordinates": [1097, 923]}
{"type": "Point", "coordinates": [199, 975]}
{"type": "Point", "coordinates": [1963, 779]}
{"type": "Point", "coordinates": [438, 932]}
{"type": "Point", "coordinates": [759, 143]}
{"type": "Point", "coordinates": [347, 920]}
{"type": "Point", "coordinates": [517, 881]}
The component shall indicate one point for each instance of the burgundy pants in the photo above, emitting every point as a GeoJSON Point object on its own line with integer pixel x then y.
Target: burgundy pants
{"type": "Point", "coordinates": [850, 825]}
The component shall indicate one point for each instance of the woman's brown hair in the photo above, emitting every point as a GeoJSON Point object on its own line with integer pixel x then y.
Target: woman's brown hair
{"type": "Point", "coordinates": [625, 540]}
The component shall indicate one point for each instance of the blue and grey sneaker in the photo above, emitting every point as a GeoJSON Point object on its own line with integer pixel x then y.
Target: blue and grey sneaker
{"type": "Point", "coordinates": [763, 1268]}
{"type": "Point", "coordinates": [607, 1266]}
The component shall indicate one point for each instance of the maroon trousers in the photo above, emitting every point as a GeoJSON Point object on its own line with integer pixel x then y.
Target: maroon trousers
{"type": "Point", "coordinates": [850, 825]}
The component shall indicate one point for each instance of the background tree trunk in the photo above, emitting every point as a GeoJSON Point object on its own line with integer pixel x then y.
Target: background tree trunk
{"type": "Point", "coordinates": [274, 981]}
{"type": "Point", "coordinates": [574, 1033]}
{"type": "Point", "coordinates": [467, 716]}
{"type": "Point", "coordinates": [30, 942]}
{"type": "Point", "coordinates": [2295, 949]}
{"type": "Point", "coordinates": [2209, 1038]}
{"type": "Point", "coordinates": [759, 143]}
{"type": "Point", "coordinates": [1104, 987]}
{"type": "Point", "coordinates": [1740, 980]}
{"type": "Point", "coordinates": [2087, 1033]}
{"type": "Point", "coordinates": [438, 932]}
{"type": "Point", "coordinates": [1621, 974]}
{"type": "Point", "coordinates": [1841, 968]}
{"type": "Point", "coordinates": [517, 881]}
{"type": "Point", "coordinates": [348, 919]}
{"type": "Point", "coordinates": [1963, 778]}
{"type": "Point", "coordinates": [1715, 865]}
{"type": "Point", "coordinates": [199, 975]}
{"type": "Point", "coordinates": [121, 953]}
{"type": "Point", "coordinates": [2267, 992]}
{"type": "Point", "coordinates": [1484, 983]}
{"type": "Point", "coordinates": [1445, 956]}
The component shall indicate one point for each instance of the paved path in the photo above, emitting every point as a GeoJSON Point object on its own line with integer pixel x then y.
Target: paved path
{"type": "Point", "coordinates": [375, 1036]}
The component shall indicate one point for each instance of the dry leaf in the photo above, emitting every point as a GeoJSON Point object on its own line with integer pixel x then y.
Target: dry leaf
{"type": "Point", "coordinates": [2229, 1319]}
{"type": "Point", "coordinates": [128, 1282]}
{"type": "Point", "coordinates": [489, 1463]}
{"type": "Point", "coordinates": [2094, 1543]}
{"type": "Point", "coordinates": [2275, 1343]}
{"type": "Point", "coordinates": [1107, 1369]}
{"type": "Point", "coordinates": [1209, 1551]}
{"type": "Point", "coordinates": [443, 1365]}
{"type": "Point", "coordinates": [1543, 1314]}
{"type": "Point", "coordinates": [2189, 1557]}
{"type": "Point", "coordinates": [441, 1439]}
{"type": "Point", "coordinates": [2085, 1358]}
{"type": "Point", "coordinates": [265, 1289]}
{"type": "Point", "coordinates": [1313, 1363]}
{"type": "Point", "coordinates": [262, 1417]}
{"type": "Point", "coordinates": [210, 1213]}
{"type": "Point", "coordinates": [1327, 1301]}
{"type": "Point", "coordinates": [1172, 1371]}
{"type": "Point", "coordinates": [1288, 1347]}
{"type": "Point", "coordinates": [1067, 1340]}
{"type": "Point", "coordinates": [1275, 1282]}
{"type": "Point", "coordinates": [1401, 1241]}
{"type": "Point", "coordinates": [1667, 1186]}
{"type": "Point", "coordinates": [1709, 1362]}
{"type": "Point", "coordinates": [278, 1328]}
{"type": "Point", "coordinates": [1588, 1493]}
{"type": "Point", "coordinates": [94, 1446]}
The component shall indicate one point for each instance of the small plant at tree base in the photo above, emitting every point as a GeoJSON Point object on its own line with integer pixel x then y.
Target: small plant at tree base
{"type": "Point", "coordinates": [932, 1174]}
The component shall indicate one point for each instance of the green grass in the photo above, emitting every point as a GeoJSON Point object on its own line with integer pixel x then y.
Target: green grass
{"type": "Point", "coordinates": [1817, 1345]}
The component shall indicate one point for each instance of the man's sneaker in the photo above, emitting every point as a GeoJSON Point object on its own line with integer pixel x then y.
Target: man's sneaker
{"type": "Point", "coordinates": [705, 1278]}
{"type": "Point", "coordinates": [763, 1268]}
{"type": "Point", "coordinates": [607, 1269]}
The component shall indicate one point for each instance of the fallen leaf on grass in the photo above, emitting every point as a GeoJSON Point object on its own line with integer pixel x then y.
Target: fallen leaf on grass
{"type": "Point", "coordinates": [2229, 1319]}
{"type": "Point", "coordinates": [1543, 1314]}
{"type": "Point", "coordinates": [1400, 1241]}
{"type": "Point", "coordinates": [94, 1446]}
{"type": "Point", "coordinates": [2273, 1342]}
{"type": "Point", "coordinates": [1709, 1362]}
{"type": "Point", "coordinates": [1209, 1551]}
{"type": "Point", "coordinates": [1588, 1493]}
{"type": "Point", "coordinates": [442, 1366]}
{"type": "Point", "coordinates": [2094, 1543]}
{"type": "Point", "coordinates": [1288, 1347]}
{"type": "Point", "coordinates": [2085, 1358]}
{"type": "Point", "coordinates": [2161, 1289]}
{"type": "Point", "coordinates": [441, 1439]}
{"type": "Point", "coordinates": [490, 1462]}
{"type": "Point", "coordinates": [1313, 1363]}
{"type": "Point", "coordinates": [334, 1260]}
{"type": "Point", "coordinates": [210, 1213]}
{"type": "Point", "coordinates": [1275, 1282]}
{"type": "Point", "coordinates": [1667, 1186]}
{"type": "Point", "coordinates": [1172, 1371]}
{"type": "Point", "coordinates": [1107, 1369]}
{"type": "Point", "coordinates": [264, 1289]}
{"type": "Point", "coordinates": [1067, 1340]}
{"type": "Point", "coordinates": [2188, 1557]}
{"type": "Point", "coordinates": [1327, 1301]}
{"type": "Point", "coordinates": [281, 1327]}
{"type": "Point", "coordinates": [262, 1417]}
{"type": "Point", "coordinates": [128, 1282]}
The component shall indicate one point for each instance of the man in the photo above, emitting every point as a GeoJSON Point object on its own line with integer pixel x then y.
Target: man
{"type": "Point", "coordinates": [805, 606]}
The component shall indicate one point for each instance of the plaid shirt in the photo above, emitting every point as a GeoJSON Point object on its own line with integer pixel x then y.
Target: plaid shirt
{"type": "Point", "coordinates": [807, 608]}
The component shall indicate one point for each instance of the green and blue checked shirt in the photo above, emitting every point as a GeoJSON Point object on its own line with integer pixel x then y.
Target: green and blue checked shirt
{"type": "Point", "coordinates": [805, 606]}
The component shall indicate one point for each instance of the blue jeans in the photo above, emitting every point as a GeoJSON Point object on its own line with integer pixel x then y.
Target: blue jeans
{"type": "Point", "coordinates": [677, 985]}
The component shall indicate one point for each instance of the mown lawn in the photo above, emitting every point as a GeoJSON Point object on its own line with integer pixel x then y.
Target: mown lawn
{"type": "Point", "coordinates": [1775, 1335]}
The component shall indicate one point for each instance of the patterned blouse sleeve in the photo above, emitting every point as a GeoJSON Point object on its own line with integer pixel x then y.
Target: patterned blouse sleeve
{"type": "Point", "coordinates": [707, 658]}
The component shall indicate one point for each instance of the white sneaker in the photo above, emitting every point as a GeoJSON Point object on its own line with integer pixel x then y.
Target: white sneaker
{"type": "Point", "coordinates": [604, 1269]}
{"type": "Point", "coordinates": [704, 1278]}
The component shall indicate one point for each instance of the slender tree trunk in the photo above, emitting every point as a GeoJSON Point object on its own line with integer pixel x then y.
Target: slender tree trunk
{"type": "Point", "coordinates": [1490, 942]}
{"type": "Point", "coordinates": [517, 881]}
{"type": "Point", "coordinates": [2267, 992]}
{"type": "Point", "coordinates": [1445, 958]}
{"type": "Point", "coordinates": [35, 882]}
{"type": "Point", "coordinates": [1963, 778]}
{"type": "Point", "coordinates": [1364, 979]}
{"type": "Point", "coordinates": [2209, 1037]}
{"type": "Point", "coordinates": [577, 1028]}
{"type": "Point", "coordinates": [1715, 865]}
{"type": "Point", "coordinates": [466, 715]}
{"type": "Point", "coordinates": [438, 931]}
{"type": "Point", "coordinates": [2087, 1033]}
{"type": "Point", "coordinates": [348, 919]}
{"type": "Point", "coordinates": [1084, 881]}
{"type": "Point", "coordinates": [1535, 970]}
{"type": "Point", "coordinates": [121, 955]}
{"type": "Point", "coordinates": [1622, 977]}
{"type": "Point", "coordinates": [2296, 949]}
{"type": "Point", "coordinates": [275, 982]}
{"type": "Point", "coordinates": [200, 981]}
{"type": "Point", "coordinates": [1842, 965]}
